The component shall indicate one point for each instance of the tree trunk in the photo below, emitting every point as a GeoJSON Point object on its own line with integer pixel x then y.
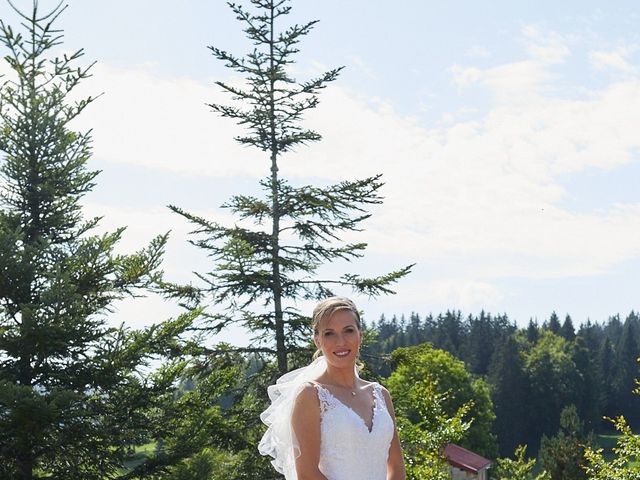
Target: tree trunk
{"type": "Point", "coordinates": [281, 350]}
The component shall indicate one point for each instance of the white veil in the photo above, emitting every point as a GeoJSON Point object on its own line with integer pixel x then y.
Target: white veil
{"type": "Point", "coordinates": [280, 441]}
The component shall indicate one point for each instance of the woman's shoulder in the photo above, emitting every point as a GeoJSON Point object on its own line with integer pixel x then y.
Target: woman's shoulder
{"type": "Point", "coordinates": [380, 388]}
{"type": "Point", "coordinates": [371, 384]}
{"type": "Point", "coordinates": [308, 392]}
{"type": "Point", "coordinates": [306, 397]}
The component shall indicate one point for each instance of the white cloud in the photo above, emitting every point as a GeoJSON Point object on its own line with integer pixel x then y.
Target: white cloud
{"type": "Point", "coordinates": [163, 123]}
{"type": "Point", "coordinates": [617, 60]}
{"type": "Point", "coordinates": [546, 47]}
{"type": "Point", "coordinates": [486, 193]}
{"type": "Point", "coordinates": [465, 76]}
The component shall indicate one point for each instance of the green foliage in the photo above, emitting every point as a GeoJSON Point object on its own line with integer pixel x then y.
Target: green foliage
{"type": "Point", "coordinates": [75, 394]}
{"type": "Point", "coordinates": [627, 353]}
{"type": "Point", "coordinates": [626, 463]}
{"type": "Point", "coordinates": [519, 468]}
{"type": "Point", "coordinates": [271, 259]}
{"type": "Point", "coordinates": [510, 394]}
{"type": "Point", "coordinates": [553, 377]}
{"type": "Point", "coordinates": [563, 454]}
{"type": "Point", "coordinates": [268, 261]}
{"type": "Point", "coordinates": [458, 393]}
{"type": "Point", "coordinates": [424, 440]}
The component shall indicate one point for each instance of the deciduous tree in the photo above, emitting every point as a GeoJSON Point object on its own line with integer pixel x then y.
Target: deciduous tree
{"type": "Point", "coordinates": [425, 365]}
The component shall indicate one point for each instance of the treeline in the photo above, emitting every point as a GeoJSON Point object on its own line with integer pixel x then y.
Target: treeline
{"type": "Point", "coordinates": [533, 372]}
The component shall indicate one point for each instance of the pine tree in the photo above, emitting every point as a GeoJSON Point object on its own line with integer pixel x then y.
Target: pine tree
{"type": "Point", "coordinates": [533, 332]}
{"type": "Point", "coordinates": [608, 368]}
{"type": "Point", "coordinates": [554, 323]}
{"type": "Point", "coordinates": [271, 259]}
{"type": "Point", "coordinates": [450, 332]}
{"type": "Point", "coordinates": [566, 330]}
{"type": "Point", "coordinates": [613, 329]}
{"type": "Point", "coordinates": [627, 353]}
{"type": "Point", "coordinates": [480, 343]}
{"type": "Point", "coordinates": [588, 387]}
{"type": "Point", "coordinates": [510, 391]}
{"type": "Point", "coordinates": [75, 394]}
{"type": "Point", "coordinates": [562, 455]}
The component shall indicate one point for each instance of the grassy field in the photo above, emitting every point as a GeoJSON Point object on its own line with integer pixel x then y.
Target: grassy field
{"type": "Point", "coordinates": [138, 457]}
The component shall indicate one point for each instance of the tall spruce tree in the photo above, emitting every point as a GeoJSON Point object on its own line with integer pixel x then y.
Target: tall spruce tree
{"type": "Point", "coordinates": [588, 395]}
{"type": "Point", "coordinates": [554, 323]}
{"type": "Point", "coordinates": [608, 368]}
{"type": "Point", "coordinates": [627, 371]}
{"type": "Point", "coordinates": [567, 331]}
{"type": "Point", "coordinates": [271, 259]}
{"type": "Point", "coordinates": [75, 394]}
{"type": "Point", "coordinates": [510, 394]}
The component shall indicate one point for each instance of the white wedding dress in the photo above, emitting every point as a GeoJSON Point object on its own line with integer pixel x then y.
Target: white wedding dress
{"type": "Point", "coordinates": [348, 449]}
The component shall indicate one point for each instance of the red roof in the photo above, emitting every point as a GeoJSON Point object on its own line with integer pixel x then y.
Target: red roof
{"type": "Point", "coordinates": [464, 459]}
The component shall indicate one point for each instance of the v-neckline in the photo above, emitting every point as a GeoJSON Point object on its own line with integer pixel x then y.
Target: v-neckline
{"type": "Point", "coordinates": [374, 407]}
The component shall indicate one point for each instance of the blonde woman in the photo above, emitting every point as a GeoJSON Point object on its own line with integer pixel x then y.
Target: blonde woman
{"type": "Point", "coordinates": [325, 422]}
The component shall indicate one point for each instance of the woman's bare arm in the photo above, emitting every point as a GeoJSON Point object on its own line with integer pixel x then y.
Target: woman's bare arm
{"type": "Point", "coordinates": [305, 421]}
{"type": "Point", "coordinates": [395, 462]}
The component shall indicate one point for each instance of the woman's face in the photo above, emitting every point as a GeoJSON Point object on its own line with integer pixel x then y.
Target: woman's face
{"type": "Point", "coordinates": [339, 339]}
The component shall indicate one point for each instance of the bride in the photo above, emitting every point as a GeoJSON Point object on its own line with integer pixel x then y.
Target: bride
{"type": "Point", "coordinates": [325, 422]}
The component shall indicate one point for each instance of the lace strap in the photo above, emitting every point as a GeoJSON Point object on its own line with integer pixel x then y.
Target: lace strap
{"type": "Point", "coordinates": [324, 396]}
{"type": "Point", "coordinates": [378, 395]}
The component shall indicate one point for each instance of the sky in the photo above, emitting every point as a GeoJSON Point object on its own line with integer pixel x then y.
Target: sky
{"type": "Point", "coordinates": [506, 133]}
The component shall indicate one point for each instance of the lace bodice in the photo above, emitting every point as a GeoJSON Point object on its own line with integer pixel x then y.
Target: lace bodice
{"type": "Point", "coordinates": [348, 450]}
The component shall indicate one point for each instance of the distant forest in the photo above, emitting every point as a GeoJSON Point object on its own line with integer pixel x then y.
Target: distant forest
{"type": "Point", "coordinates": [533, 372]}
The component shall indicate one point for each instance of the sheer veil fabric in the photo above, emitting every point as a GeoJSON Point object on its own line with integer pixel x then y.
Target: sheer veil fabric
{"type": "Point", "coordinates": [279, 440]}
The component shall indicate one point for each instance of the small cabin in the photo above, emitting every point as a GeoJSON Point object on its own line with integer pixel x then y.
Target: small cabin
{"type": "Point", "coordinates": [466, 465]}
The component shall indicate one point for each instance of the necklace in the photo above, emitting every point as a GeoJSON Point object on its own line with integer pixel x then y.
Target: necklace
{"type": "Point", "coordinates": [353, 391]}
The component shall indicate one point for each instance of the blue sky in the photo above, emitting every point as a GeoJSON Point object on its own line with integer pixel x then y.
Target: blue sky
{"type": "Point", "coordinates": [505, 130]}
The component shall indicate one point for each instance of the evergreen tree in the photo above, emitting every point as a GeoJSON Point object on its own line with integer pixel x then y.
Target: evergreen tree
{"type": "Point", "coordinates": [554, 323]}
{"type": "Point", "coordinates": [567, 331]}
{"type": "Point", "coordinates": [613, 329]}
{"type": "Point", "coordinates": [509, 394]}
{"type": "Point", "coordinates": [562, 455]}
{"type": "Point", "coordinates": [593, 336]}
{"type": "Point", "coordinates": [270, 260]}
{"type": "Point", "coordinates": [533, 332]}
{"type": "Point", "coordinates": [75, 394]}
{"type": "Point", "coordinates": [607, 366]}
{"type": "Point", "coordinates": [627, 354]}
{"type": "Point", "coordinates": [414, 329]}
{"type": "Point", "coordinates": [450, 332]}
{"type": "Point", "coordinates": [588, 395]}
{"type": "Point", "coordinates": [479, 343]}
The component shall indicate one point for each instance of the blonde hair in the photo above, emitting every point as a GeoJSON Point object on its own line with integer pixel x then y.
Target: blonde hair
{"type": "Point", "coordinates": [328, 307]}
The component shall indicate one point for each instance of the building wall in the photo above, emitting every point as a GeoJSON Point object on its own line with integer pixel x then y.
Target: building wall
{"type": "Point", "coordinates": [458, 474]}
